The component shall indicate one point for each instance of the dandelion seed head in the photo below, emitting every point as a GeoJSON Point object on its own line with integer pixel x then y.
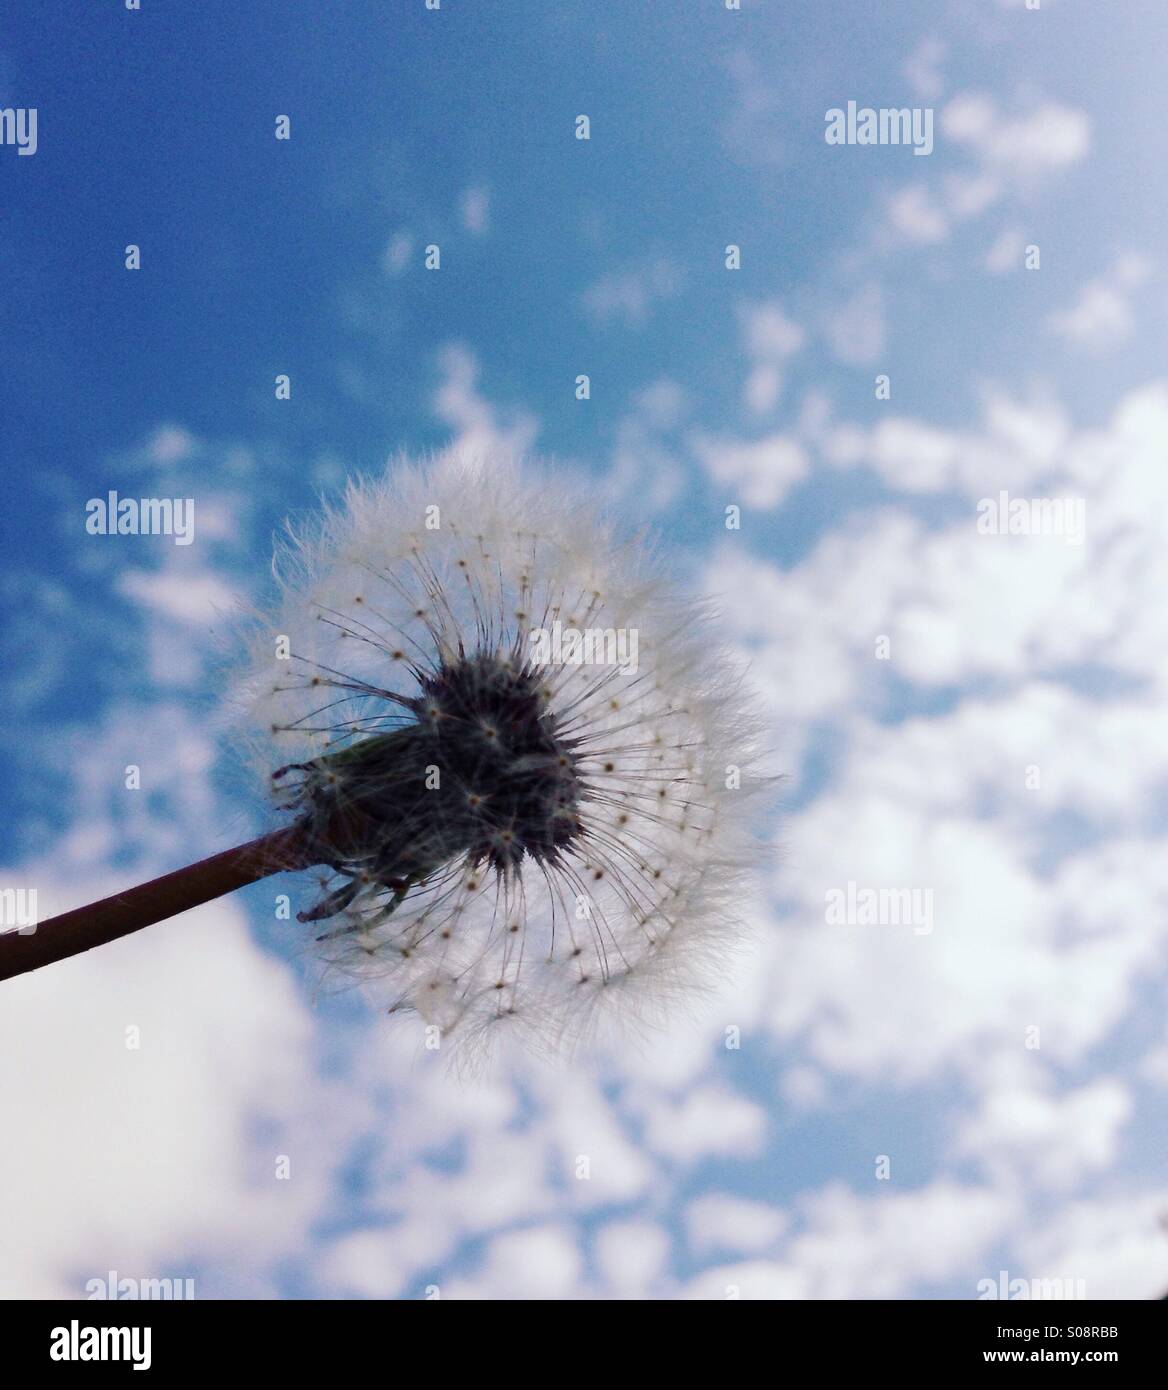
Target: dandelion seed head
{"type": "Point", "coordinates": [508, 841]}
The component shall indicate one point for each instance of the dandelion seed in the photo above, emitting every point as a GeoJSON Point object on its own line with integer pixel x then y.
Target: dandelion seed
{"type": "Point", "coordinates": [562, 789]}
{"type": "Point", "coordinates": [503, 838]}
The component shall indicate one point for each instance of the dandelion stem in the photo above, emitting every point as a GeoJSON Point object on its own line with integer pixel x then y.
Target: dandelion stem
{"type": "Point", "coordinates": [86, 927]}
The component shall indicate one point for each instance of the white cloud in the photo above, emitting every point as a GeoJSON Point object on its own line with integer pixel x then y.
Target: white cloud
{"type": "Point", "coordinates": [969, 195]}
{"type": "Point", "coordinates": [762, 388]}
{"type": "Point", "coordinates": [917, 216]}
{"type": "Point", "coordinates": [151, 1160]}
{"type": "Point", "coordinates": [754, 131]}
{"type": "Point", "coordinates": [475, 209]}
{"type": "Point", "coordinates": [1009, 154]}
{"type": "Point", "coordinates": [662, 404]}
{"type": "Point", "coordinates": [770, 335]}
{"type": "Point", "coordinates": [396, 258]}
{"type": "Point", "coordinates": [645, 466]}
{"type": "Point", "coordinates": [632, 1257]}
{"type": "Point", "coordinates": [630, 296]}
{"type": "Point", "coordinates": [380, 1261]}
{"type": "Point", "coordinates": [1117, 1245]}
{"type": "Point", "coordinates": [1048, 137]}
{"type": "Point", "coordinates": [708, 1120]}
{"type": "Point", "coordinates": [170, 444]}
{"type": "Point", "coordinates": [180, 592]}
{"type": "Point", "coordinates": [923, 68]}
{"type": "Point", "coordinates": [595, 1156]}
{"type": "Point", "coordinates": [757, 473]}
{"type": "Point", "coordinates": [770, 338]}
{"type": "Point", "coordinates": [721, 1222]}
{"type": "Point", "coordinates": [878, 1246]}
{"type": "Point", "coordinates": [756, 1280]}
{"type": "Point", "coordinates": [482, 429]}
{"type": "Point", "coordinates": [1023, 1126]}
{"type": "Point", "coordinates": [855, 329]}
{"type": "Point", "coordinates": [1102, 317]}
{"type": "Point", "coordinates": [1024, 932]}
{"type": "Point", "coordinates": [909, 453]}
{"type": "Point", "coordinates": [1006, 252]}
{"type": "Point", "coordinates": [541, 1263]}
{"type": "Point", "coordinates": [1018, 443]}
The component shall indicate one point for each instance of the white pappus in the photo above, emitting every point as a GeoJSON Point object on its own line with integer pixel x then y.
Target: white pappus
{"type": "Point", "coordinates": [509, 840]}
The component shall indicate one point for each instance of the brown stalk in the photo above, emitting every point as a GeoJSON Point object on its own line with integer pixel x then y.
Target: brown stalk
{"type": "Point", "coordinates": [86, 927]}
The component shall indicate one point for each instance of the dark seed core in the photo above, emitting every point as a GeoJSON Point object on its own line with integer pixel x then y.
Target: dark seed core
{"type": "Point", "coordinates": [495, 741]}
{"type": "Point", "coordinates": [483, 773]}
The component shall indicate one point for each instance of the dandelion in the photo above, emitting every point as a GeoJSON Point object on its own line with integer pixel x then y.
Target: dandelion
{"type": "Point", "coordinates": [506, 830]}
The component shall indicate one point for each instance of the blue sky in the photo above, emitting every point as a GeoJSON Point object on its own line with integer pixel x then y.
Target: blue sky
{"type": "Point", "coordinates": [712, 1170]}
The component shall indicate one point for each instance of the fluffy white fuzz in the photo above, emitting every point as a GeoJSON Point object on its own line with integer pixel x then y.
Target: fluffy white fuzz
{"type": "Point", "coordinates": [439, 562]}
